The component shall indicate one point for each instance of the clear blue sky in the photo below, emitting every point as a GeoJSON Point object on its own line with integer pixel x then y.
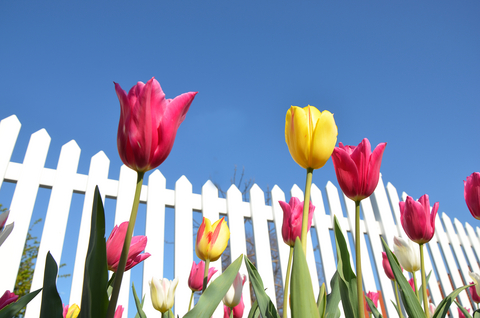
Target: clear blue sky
{"type": "Point", "coordinates": [403, 73]}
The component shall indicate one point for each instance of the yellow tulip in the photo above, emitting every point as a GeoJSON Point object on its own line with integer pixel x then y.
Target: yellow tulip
{"type": "Point", "coordinates": [72, 312]}
{"type": "Point", "coordinates": [311, 136]}
{"type": "Point", "coordinates": [212, 239]}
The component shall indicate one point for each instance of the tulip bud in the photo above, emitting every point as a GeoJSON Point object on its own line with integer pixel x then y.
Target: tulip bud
{"type": "Point", "coordinates": [119, 312]}
{"type": "Point", "coordinates": [460, 313]}
{"type": "Point", "coordinates": [417, 221]}
{"type": "Point", "coordinates": [407, 253]}
{"type": "Point", "coordinates": [386, 266]}
{"type": "Point", "coordinates": [310, 135]}
{"type": "Point", "coordinates": [473, 293]}
{"type": "Point", "coordinates": [7, 298]}
{"type": "Point", "coordinates": [358, 168]}
{"type": "Point", "coordinates": [195, 280]}
{"type": "Point", "coordinates": [115, 245]}
{"type": "Point", "coordinates": [71, 311]}
{"type": "Point", "coordinates": [374, 296]}
{"type": "Point", "coordinates": [292, 219]}
{"type": "Point", "coordinates": [212, 239]}
{"type": "Point", "coordinates": [234, 293]}
{"type": "Point", "coordinates": [471, 193]}
{"type": "Point", "coordinates": [476, 281]}
{"type": "Point", "coordinates": [431, 309]}
{"type": "Point", "coordinates": [162, 292]}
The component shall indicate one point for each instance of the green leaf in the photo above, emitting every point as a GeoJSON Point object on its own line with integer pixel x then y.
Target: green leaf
{"type": "Point", "coordinates": [95, 279]}
{"type": "Point", "coordinates": [139, 305]}
{"type": "Point", "coordinates": [215, 292]}
{"type": "Point", "coordinates": [51, 301]}
{"type": "Point", "coordinates": [464, 311]}
{"type": "Point", "coordinates": [333, 299]}
{"type": "Point", "coordinates": [255, 310]}
{"type": "Point", "coordinates": [396, 307]}
{"type": "Point", "coordinates": [442, 308]}
{"type": "Point", "coordinates": [303, 299]}
{"type": "Point", "coordinates": [267, 308]}
{"type": "Point", "coordinates": [12, 309]}
{"type": "Point", "coordinates": [373, 308]}
{"type": "Point", "coordinates": [322, 301]}
{"type": "Point", "coordinates": [476, 314]}
{"type": "Point", "coordinates": [410, 301]}
{"type": "Point", "coordinates": [348, 280]}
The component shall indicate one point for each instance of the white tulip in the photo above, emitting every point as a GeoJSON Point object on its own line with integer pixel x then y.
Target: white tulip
{"type": "Point", "coordinates": [234, 293]}
{"type": "Point", "coordinates": [162, 292]}
{"type": "Point", "coordinates": [407, 253]}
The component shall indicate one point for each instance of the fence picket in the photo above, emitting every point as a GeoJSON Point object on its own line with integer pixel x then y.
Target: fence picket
{"type": "Point", "coordinates": [9, 130]}
{"type": "Point", "coordinates": [465, 242]}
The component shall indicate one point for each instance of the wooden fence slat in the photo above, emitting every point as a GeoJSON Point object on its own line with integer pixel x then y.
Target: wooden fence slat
{"type": "Point", "coordinates": [237, 235]}
{"type": "Point", "coordinates": [262, 240]}
{"type": "Point", "coordinates": [9, 130]}
{"type": "Point", "coordinates": [97, 175]}
{"type": "Point", "coordinates": [155, 232]}
{"type": "Point", "coordinates": [56, 219]}
{"type": "Point", "coordinates": [383, 213]}
{"type": "Point", "coordinates": [21, 208]}
{"type": "Point", "coordinates": [183, 242]}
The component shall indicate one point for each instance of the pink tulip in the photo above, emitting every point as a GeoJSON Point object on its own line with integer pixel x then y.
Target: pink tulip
{"type": "Point", "coordinates": [471, 193]}
{"type": "Point", "coordinates": [195, 280]}
{"type": "Point", "coordinates": [115, 245]}
{"type": "Point", "coordinates": [7, 299]}
{"type": "Point", "coordinates": [374, 296]}
{"type": "Point", "coordinates": [417, 221]}
{"type": "Point", "coordinates": [148, 124]}
{"type": "Point", "coordinates": [473, 292]}
{"type": "Point", "coordinates": [460, 313]}
{"type": "Point", "coordinates": [358, 168]}
{"type": "Point", "coordinates": [412, 283]}
{"type": "Point", "coordinates": [119, 312]}
{"type": "Point", "coordinates": [387, 268]}
{"type": "Point", "coordinates": [237, 310]}
{"type": "Point", "coordinates": [292, 219]}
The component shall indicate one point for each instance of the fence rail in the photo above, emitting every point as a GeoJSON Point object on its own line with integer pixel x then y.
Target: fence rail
{"type": "Point", "coordinates": [453, 251]}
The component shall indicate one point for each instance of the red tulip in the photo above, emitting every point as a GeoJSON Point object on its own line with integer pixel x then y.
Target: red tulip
{"type": "Point", "coordinates": [115, 245]}
{"type": "Point", "coordinates": [358, 168]}
{"type": "Point", "coordinates": [7, 299]}
{"type": "Point", "coordinates": [292, 219]}
{"type": "Point", "coordinates": [471, 193]}
{"type": "Point", "coordinates": [387, 268]}
{"type": "Point", "coordinates": [417, 220]}
{"type": "Point", "coordinates": [195, 280]}
{"type": "Point", "coordinates": [148, 124]}
{"type": "Point", "coordinates": [473, 292]}
{"type": "Point", "coordinates": [374, 296]}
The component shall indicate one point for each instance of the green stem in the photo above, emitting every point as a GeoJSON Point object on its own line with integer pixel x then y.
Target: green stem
{"type": "Point", "coordinates": [398, 301]}
{"type": "Point", "coordinates": [287, 283]}
{"type": "Point", "coordinates": [306, 206]}
{"type": "Point", "coordinates": [126, 246]}
{"type": "Point", "coordinates": [231, 312]}
{"type": "Point", "coordinates": [191, 298]}
{"type": "Point", "coordinates": [205, 275]}
{"type": "Point", "coordinates": [358, 260]}
{"type": "Point", "coordinates": [424, 283]}
{"type": "Point", "coordinates": [415, 285]}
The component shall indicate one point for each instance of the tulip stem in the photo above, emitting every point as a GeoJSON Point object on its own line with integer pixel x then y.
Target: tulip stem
{"type": "Point", "coordinates": [205, 275]}
{"type": "Point", "coordinates": [306, 207]}
{"type": "Point", "coordinates": [415, 285]}
{"type": "Point", "coordinates": [191, 298]}
{"type": "Point", "coordinates": [398, 301]}
{"type": "Point", "coordinates": [424, 283]}
{"type": "Point", "coordinates": [287, 283]}
{"type": "Point", "coordinates": [358, 260]}
{"type": "Point", "coordinates": [126, 246]}
{"type": "Point", "coordinates": [231, 312]}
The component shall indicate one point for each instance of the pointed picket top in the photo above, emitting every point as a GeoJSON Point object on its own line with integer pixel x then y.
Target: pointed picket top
{"type": "Point", "coordinates": [9, 130]}
{"type": "Point", "coordinates": [297, 192]}
{"type": "Point", "coordinates": [467, 246]}
{"type": "Point", "coordinates": [277, 191]}
{"type": "Point", "coordinates": [210, 201]}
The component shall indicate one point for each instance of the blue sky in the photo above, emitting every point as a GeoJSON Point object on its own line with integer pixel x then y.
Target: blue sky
{"type": "Point", "coordinates": [403, 73]}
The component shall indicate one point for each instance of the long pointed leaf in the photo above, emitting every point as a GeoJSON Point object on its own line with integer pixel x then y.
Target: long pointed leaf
{"type": "Point", "coordinates": [139, 304]}
{"type": "Point", "coordinates": [322, 301]}
{"type": "Point", "coordinates": [95, 281]}
{"type": "Point", "coordinates": [464, 311]}
{"type": "Point", "coordinates": [254, 311]}
{"type": "Point", "coordinates": [12, 309]}
{"type": "Point", "coordinates": [51, 301]}
{"type": "Point", "coordinates": [442, 308]}
{"type": "Point", "coordinates": [214, 293]}
{"type": "Point", "coordinates": [333, 299]}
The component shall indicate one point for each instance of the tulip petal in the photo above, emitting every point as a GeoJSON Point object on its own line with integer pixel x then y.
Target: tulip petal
{"type": "Point", "coordinates": [346, 171]}
{"type": "Point", "coordinates": [323, 140]}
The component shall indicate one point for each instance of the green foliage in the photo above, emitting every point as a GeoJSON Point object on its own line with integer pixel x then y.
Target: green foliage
{"type": "Point", "coordinates": [51, 302]}
{"type": "Point", "coordinates": [140, 312]}
{"type": "Point", "coordinates": [12, 309]}
{"type": "Point", "coordinates": [374, 310]}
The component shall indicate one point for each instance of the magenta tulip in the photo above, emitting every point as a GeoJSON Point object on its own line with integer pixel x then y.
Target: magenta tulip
{"type": "Point", "coordinates": [460, 313]}
{"type": "Point", "coordinates": [358, 168]}
{"type": "Point", "coordinates": [471, 193]}
{"type": "Point", "coordinates": [7, 299]}
{"type": "Point", "coordinates": [374, 296]}
{"type": "Point", "coordinates": [148, 124]}
{"type": "Point", "coordinates": [115, 244]}
{"type": "Point", "coordinates": [195, 280]}
{"type": "Point", "coordinates": [237, 310]}
{"type": "Point", "coordinates": [386, 266]}
{"type": "Point", "coordinates": [412, 284]}
{"type": "Point", "coordinates": [417, 220]}
{"type": "Point", "coordinates": [119, 312]}
{"type": "Point", "coordinates": [292, 219]}
{"type": "Point", "coordinates": [473, 292]}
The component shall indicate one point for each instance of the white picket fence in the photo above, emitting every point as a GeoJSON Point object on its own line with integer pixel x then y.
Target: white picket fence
{"type": "Point", "coordinates": [453, 243]}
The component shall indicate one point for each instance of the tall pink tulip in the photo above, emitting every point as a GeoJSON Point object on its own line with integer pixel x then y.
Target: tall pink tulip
{"type": "Point", "coordinates": [473, 292]}
{"type": "Point", "coordinates": [386, 266]}
{"type": "Point", "coordinates": [292, 219]}
{"type": "Point", "coordinates": [417, 220]}
{"type": "Point", "coordinates": [7, 298]}
{"type": "Point", "coordinates": [471, 193]}
{"type": "Point", "coordinates": [148, 124]}
{"type": "Point", "coordinates": [115, 244]}
{"type": "Point", "coordinates": [374, 296]}
{"type": "Point", "coordinates": [195, 280]}
{"type": "Point", "coordinates": [358, 168]}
